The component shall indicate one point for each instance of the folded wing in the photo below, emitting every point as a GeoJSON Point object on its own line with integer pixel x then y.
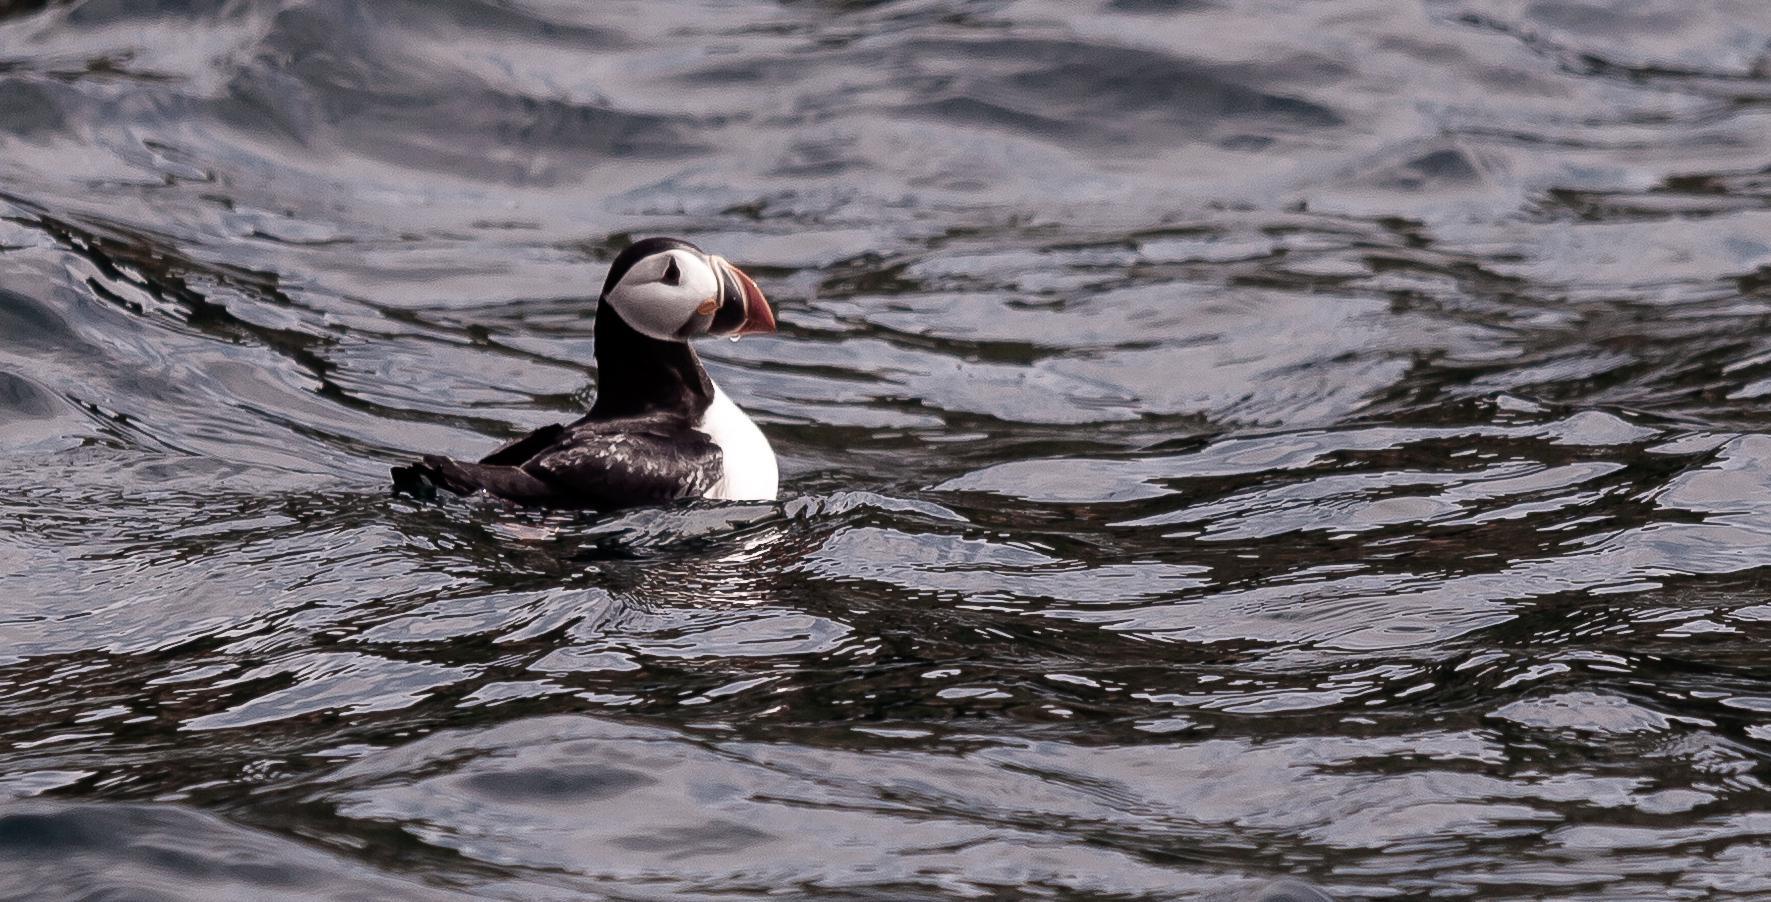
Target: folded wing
{"type": "Point", "coordinates": [601, 465]}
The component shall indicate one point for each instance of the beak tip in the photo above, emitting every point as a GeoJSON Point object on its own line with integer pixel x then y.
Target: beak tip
{"type": "Point", "coordinates": [761, 321]}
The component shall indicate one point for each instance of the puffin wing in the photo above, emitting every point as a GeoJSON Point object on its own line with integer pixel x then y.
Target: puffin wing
{"type": "Point", "coordinates": [517, 451]}
{"type": "Point", "coordinates": [496, 473]}
{"type": "Point", "coordinates": [620, 463]}
{"type": "Point", "coordinates": [602, 465]}
{"type": "Point", "coordinates": [462, 478]}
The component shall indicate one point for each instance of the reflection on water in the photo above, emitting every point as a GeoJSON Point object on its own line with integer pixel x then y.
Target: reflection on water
{"type": "Point", "coordinates": [1224, 443]}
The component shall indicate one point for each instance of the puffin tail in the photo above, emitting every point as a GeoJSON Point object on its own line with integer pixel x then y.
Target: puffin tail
{"type": "Point", "coordinates": [435, 471]}
{"type": "Point", "coordinates": [417, 480]}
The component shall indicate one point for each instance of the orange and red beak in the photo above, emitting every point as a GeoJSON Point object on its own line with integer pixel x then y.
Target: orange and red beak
{"type": "Point", "coordinates": [742, 310]}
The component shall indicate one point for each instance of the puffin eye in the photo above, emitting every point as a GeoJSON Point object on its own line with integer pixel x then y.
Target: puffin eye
{"type": "Point", "coordinates": [672, 274]}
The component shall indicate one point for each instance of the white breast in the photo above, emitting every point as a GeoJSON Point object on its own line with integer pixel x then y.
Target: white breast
{"type": "Point", "coordinates": [750, 462]}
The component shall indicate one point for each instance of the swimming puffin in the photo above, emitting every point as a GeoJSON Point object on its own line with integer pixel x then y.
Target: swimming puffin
{"type": "Point", "coordinates": [660, 430]}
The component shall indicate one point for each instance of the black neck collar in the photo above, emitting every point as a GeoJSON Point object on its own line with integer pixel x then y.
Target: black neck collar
{"type": "Point", "coordinates": [637, 374]}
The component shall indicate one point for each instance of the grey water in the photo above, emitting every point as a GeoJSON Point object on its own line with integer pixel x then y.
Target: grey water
{"type": "Point", "coordinates": [1223, 442]}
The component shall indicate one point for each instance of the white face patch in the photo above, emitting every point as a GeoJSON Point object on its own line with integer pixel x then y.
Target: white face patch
{"type": "Point", "coordinates": [661, 293]}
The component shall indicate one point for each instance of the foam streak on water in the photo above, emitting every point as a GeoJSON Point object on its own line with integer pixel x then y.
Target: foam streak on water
{"type": "Point", "coordinates": [1223, 441]}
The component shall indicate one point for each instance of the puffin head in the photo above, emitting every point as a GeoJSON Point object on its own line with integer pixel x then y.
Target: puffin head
{"type": "Point", "coordinates": [671, 290]}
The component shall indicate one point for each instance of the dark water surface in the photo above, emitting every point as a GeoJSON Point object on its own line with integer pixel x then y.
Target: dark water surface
{"type": "Point", "coordinates": [1223, 441]}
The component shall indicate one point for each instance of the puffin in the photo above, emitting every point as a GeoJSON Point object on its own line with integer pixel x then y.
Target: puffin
{"type": "Point", "coordinates": [659, 430]}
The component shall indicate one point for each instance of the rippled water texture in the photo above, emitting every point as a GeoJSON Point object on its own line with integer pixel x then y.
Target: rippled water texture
{"type": "Point", "coordinates": [1224, 441]}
